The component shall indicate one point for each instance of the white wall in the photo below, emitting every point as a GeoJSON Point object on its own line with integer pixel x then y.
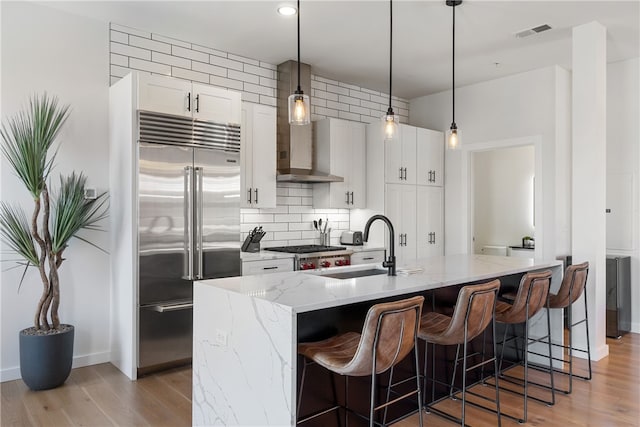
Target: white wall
{"type": "Point", "coordinates": [623, 162]}
{"type": "Point", "coordinates": [43, 49]}
{"type": "Point", "coordinates": [521, 106]}
{"type": "Point", "coordinates": [502, 196]}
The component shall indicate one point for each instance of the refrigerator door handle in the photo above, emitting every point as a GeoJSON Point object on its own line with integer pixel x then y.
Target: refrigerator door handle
{"type": "Point", "coordinates": [188, 221]}
{"type": "Point", "coordinates": [162, 308]}
{"type": "Point", "coordinates": [199, 216]}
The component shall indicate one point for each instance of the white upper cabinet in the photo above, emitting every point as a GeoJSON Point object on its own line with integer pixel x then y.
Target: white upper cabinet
{"type": "Point", "coordinates": [400, 157]}
{"type": "Point", "coordinates": [341, 151]}
{"type": "Point", "coordinates": [258, 156]}
{"type": "Point", "coordinates": [401, 210]}
{"type": "Point", "coordinates": [180, 97]}
{"type": "Point", "coordinates": [430, 157]}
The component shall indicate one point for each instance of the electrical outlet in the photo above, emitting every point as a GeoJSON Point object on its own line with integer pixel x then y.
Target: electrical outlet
{"type": "Point", "coordinates": [221, 337]}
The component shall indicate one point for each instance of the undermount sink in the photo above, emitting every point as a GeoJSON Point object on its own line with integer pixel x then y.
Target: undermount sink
{"type": "Point", "coordinates": [354, 274]}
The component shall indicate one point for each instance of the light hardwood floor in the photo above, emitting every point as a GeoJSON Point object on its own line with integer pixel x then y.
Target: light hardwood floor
{"type": "Point", "coordinates": [102, 396]}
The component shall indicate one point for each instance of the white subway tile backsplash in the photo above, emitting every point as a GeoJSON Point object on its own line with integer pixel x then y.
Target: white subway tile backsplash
{"type": "Point", "coordinates": [245, 77]}
{"type": "Point", "coordinates": [225, 82]}
{"type": "Point", "coordinates": [251, 97]}
{"type": "Point", "coordinates": [149, 44]}
{"type": "Point", "coordinates": [120, 60]}
{"type": "Point", "coordinates": [261, 90]}
{"type": "Point", "coordinates": [152, 67]}
{"type": "Point", "coordinates": [175, 61]}
{"type": "Point", "coordinates": [210, 69]}
{"type": "Point", "coordinates": [291, 222]}
{"type": "Point", "coordinates": [257, 218]}
{"type": "Point", "coordinates": [225, 62]}
{"type": "Point", "coordinates": [171, 41]}
{"type": "Point", "coordinates": [117, 36]}
{"type": "Point", "coordinates": [286, 218]}
{"type": "Point", "coordinates": [189, 75]}
{"type": "Point", "coordinates": [189, 53]}
{"type": "Point", "coordinates": [243, 59]}
{"type": "Point", "coordinates": [126, 50]}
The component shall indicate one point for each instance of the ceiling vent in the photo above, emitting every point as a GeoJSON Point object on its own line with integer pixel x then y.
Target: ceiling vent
{"type": "Point", "coordinates": [531, 31]}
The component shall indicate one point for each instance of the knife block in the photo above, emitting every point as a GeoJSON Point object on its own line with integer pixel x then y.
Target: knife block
{"type": "Point", "coordinates": [249, 246]}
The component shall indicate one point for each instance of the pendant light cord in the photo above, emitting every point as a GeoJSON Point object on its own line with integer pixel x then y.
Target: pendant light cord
{"type": "Point", "coordinates": [453, 66]}
{"type": "Point", "coordinates": [299, 89]}
{"type": "Point", "coordinates": [390, 51]}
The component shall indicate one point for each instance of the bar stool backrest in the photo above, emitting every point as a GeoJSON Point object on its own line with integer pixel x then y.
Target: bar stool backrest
{"type": "Point", "coordinates": [533, 292]}
{"type": "Point", "coordinates": [474, 308]}
{"type": "Point", "coordinates": [389, 331]}
{"type": "Point", "coordinates": [572, 287]}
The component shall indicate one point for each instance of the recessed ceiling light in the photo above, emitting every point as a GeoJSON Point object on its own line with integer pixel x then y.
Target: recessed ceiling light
{"type": "Point", "coordinates": [287, 10]}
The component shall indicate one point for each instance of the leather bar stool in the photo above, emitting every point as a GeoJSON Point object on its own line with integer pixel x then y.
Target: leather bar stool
{"type": "Point", "coordinates": [532, 296]}
{"type": "Point", "coordinates": [473, 312]}
{"type": "Point", "coordinates": [573, 286]}
{"type": "Point", "coordinates": [388, 336]}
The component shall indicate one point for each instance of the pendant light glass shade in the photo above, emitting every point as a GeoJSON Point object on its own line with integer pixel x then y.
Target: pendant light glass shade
{"type": "Point", "coordinates": [299, 104]}
{"type": "Point", "coordinates": [390, 126]}
{"type": "Point", "coordinates": [299, 109]}
{"type": "Point", "coordinates": [390, 119]}
{"type": "Point", "coordinates": [453, 138]}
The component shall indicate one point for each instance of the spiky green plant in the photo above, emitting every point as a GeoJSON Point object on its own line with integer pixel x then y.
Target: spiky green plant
{"type": "Point", "coordinates": [28, 145]}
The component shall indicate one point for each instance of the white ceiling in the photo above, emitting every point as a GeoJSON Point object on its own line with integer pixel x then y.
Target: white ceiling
{"type": "Point", "coordinates": [348, 40]}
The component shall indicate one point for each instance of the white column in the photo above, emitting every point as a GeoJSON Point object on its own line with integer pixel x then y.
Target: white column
{"type": "Point", "coordinates": [588, 223]}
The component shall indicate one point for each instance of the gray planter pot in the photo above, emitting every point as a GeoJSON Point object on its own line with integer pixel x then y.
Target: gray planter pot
{"type": "Point", "coordinates": [45, 360]}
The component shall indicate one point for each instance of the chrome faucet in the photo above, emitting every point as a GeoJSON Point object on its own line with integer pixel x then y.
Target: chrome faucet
{"type": "Point", "coordinates": [390, 263]}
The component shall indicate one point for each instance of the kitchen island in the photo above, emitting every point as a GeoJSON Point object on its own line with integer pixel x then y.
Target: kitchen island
{"type": "Point", "coordinates": [246, 329]}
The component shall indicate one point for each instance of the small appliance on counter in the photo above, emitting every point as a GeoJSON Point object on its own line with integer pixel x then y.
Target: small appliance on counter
{"type": "Point", "coordinates": [353, 238]}
{"type": "Point", "coordinates": [252, 242]}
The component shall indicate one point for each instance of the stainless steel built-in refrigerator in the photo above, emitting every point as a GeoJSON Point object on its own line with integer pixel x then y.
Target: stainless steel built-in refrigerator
{"type": "Point", "coordinates": [189, 226]}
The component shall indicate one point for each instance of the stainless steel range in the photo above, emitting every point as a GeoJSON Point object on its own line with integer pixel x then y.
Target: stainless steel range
{"type": "Point", "coordinates": [310, 257]}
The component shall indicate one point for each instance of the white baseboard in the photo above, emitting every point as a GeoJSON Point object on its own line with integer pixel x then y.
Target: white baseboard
{"type": "Point", "coordinates": [11, 374]}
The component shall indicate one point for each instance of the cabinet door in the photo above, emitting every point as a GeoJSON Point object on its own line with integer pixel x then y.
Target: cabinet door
{"type": "Point", "coordinates": [429, 224]}
{"type": "Point", "coordinates": [393, 167]}
{"type": "Point", "coordinates": [339, 150]}
{"type": "Point", "coordinates": [215, 104]}
{"type": "Point", "coordinates": [264, 156]}
{"type": "Point", "coordinates": [400, 208]}
{"type": "Point", "coordinates": [164, 95]}
{"type": "Point", "coordinates": [430, 157]}
{"type": "Point", "coordinates": [408, 135]}
{"type": "Point", "coordinates": [357, 168]}
{"type": "Point", "coordinates": [258, 156]}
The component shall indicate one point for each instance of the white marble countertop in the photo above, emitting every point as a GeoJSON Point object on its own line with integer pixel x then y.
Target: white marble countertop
{"type": "Point", "coordinates": [306, 291]}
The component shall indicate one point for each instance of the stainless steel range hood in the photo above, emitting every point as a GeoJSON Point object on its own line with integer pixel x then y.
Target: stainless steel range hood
{"type": "Point", "coordinates": [295, 143]}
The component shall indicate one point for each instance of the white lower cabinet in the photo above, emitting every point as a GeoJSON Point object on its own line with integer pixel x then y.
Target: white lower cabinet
{"type": "Point", "coordinates": [367, 257]}
{"type": "Point", "coordinates": [267, 266]}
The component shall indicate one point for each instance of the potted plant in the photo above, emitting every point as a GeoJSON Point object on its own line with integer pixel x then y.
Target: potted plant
{"type": "Point", "coordinates": [46, 348]}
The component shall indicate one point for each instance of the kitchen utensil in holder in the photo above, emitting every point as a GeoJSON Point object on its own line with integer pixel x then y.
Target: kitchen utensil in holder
{"type": "Point", "coordinates": [324, 239]}
{"type": "Point", "coordinates": [249, 245]}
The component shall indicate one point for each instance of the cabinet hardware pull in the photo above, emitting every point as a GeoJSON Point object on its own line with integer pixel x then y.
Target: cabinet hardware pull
{"type": "Point", "coordinates": [189, 101]}
{"type": "Point", "coordinates": [367, 258]}
{"type": "Point", "coordinates": [256, 191]}
{"type": "Point", "coordinates": [269, 268]}
{"type": "Point", "coordinates": [405, 174]}
{"type": "Point", "coordinates": [197, 103]}
{"type": "Point", "coordinates": [352, 197]}
{"type": "Point", "coordinates": [434, 237]}
{"type": "Point", "coordinates": [434, 176]}
{"type": "Point", "coordinates": [249, 195]}
{"type": "Point", "coordinates": [400, 174]}
{"type": "Point", "coordinates": [347, 193]}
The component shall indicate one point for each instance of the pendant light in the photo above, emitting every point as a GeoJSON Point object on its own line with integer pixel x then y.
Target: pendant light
{"type": "Point", "coordinates": [390, 120]}
{"type": "Point", "coordinates": [299, 105]}
{"type": "Point", "coordinates": [453, 140]}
